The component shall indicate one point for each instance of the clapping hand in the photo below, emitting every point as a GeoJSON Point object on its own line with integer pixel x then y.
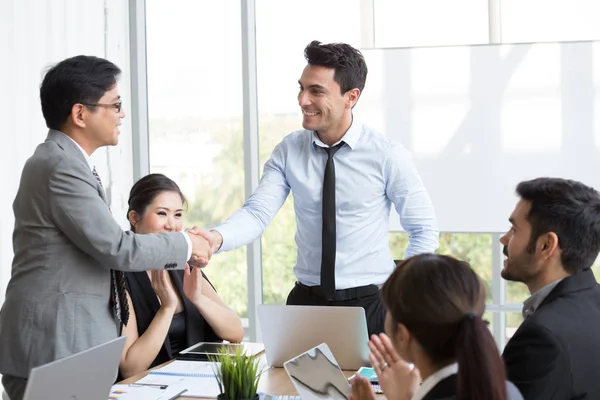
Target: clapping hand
{"type": "Point", "coordinates": [397, 378]}
{"type": "Point", "coordinates": [164, 289]}
{"type": "Point", "coordinates": [192, 284]}
{"type": "Point", "coordinates": [361, 388]}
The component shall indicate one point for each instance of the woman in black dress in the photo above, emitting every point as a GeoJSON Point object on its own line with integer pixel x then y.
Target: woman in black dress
{"type": "Point", "coordinates": [169, 310]}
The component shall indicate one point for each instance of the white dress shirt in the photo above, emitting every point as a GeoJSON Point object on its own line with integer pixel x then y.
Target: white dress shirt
{"type": "Point", "coordinates": [434, 379]}
{"type": "Point", "coordinates": [85, 154]}
{"type": "Point", "coordinates": [91, 165]}
{"type": "Point", "coordinates": [372, 172]}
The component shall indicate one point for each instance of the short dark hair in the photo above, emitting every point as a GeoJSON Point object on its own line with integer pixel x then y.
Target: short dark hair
{"type": "Point", "coordinates": [79, 79]}
{"type": "Point", "coordinates": [440, 300]}
{"type": "Point", "coordinates": [348, 62]}
{"type": "Point", "coordinates": [145, 190]}
{"type": "Point", "coordinates": [571, 210]}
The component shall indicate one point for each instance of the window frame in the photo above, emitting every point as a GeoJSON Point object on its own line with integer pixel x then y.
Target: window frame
{"type": "Point", "coordinates": [140, 137]}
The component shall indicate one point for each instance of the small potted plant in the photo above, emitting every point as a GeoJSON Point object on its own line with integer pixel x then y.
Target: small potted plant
{"type": "Point", "coordinates": [237, 375]}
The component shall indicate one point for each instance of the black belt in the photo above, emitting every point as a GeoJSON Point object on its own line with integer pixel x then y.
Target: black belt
{"type": "Point", "coordinates": [342, 294]}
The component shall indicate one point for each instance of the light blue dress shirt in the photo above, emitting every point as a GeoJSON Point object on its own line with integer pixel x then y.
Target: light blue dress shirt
{"type": "Point", "coordinates": [372, 172]}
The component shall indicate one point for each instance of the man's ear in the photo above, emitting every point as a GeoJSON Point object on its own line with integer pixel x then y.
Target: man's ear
{"type": "Point", "coordinates": [77, 115]}
{"type": "Point", "coordinates": [352, 96]}
{"type": "Point", "coordinates": [548, 244]}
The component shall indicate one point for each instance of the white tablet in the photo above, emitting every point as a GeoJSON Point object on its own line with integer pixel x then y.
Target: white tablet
{"type": "Point", "coordinates": [317, 375]}
{"type": "Point", "coordinates": [206, 350]}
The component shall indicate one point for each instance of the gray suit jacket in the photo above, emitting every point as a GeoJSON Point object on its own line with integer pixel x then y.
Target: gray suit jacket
{"type": "Point", "coordinates": [65, 243]}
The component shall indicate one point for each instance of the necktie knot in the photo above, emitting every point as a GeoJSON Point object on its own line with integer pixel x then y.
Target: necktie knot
{"type": "Point", "coordinates": [97, 177]}
{"type": "Point", "coordinates": [333, 149]}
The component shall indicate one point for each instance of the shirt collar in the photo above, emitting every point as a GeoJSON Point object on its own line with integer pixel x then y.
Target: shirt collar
{"type": "Point", "coordinates": [533, 302]}
{"type": "Point", "coordinates": [85, 154]}
{"type": "Point", "coordinates": [434, 379]}
{"type": "Point", "coordinates": [351, 136]}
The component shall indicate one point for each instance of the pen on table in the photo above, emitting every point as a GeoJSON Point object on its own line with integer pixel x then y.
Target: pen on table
{"type": "Point", "coordinates": [150, 384]}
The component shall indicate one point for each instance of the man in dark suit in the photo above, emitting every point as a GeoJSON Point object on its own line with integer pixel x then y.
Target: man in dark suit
{"type": "Point", "coordinates": [551, 245]}
{"type": "Point", "coordinates": [66, 290]}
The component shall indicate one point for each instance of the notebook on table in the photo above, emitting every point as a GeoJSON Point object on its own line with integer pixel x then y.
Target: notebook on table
{"type": "Point", "coordinates": [196, 377]}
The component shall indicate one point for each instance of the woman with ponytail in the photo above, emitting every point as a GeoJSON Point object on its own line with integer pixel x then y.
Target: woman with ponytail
{"type": "Point", "coordinates": [436, 345]}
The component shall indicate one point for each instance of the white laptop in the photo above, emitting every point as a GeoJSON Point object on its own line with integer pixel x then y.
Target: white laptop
{"type": "Point", "coordinates": [316, 375]}
{"type": "Point", "coordinates": [291, 330]}
{"type": "Point", "coordinates": [87, 375]}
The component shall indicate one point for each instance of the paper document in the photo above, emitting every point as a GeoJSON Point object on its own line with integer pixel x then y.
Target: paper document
{"type": "Point", "coordinates": [133, 392]}
{"type": "Point", "coordinates": [196, 369]}
{"type": "Point", "coordinates": [196, 377]}
{"type": "Point", "coordinates": [195, 386]}
{"type": "Point", "coordinates": [199, 387]}
{"type": "Point", "coordinates": [154, 379]}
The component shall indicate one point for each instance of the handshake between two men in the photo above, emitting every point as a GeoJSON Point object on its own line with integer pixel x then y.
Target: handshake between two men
{"type": "Point", "coordinates": [204, 244]}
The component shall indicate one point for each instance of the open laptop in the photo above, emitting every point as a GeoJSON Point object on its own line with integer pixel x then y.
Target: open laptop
{"type": "Point", "coordinates": [291, 330]}
{"type": "Point", "coordinates": [87, 375]}
{"type": "Point", "coordinates": [316, 375]}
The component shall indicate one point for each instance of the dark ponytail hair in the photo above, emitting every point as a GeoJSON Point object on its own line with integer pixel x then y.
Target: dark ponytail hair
{"type": "Point", "coordinates": [440, 300]}
{"type": "Point", "coordinates": [145, 190]}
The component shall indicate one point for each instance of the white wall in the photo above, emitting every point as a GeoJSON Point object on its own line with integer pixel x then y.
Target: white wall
{"type": "Point", "coordinates": [35, 34]}
{"type": "Point", "coordinates": [480, 119]}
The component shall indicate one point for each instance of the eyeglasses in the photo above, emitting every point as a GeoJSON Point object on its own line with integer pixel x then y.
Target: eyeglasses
{"type": "Point", "coordinates": [117, 106]}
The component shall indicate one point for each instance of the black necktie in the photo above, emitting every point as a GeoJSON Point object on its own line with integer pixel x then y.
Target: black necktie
{"type": "Point", "coordinates": [117, 283]}
{"type": "Point", "coordinates": [328, 245]}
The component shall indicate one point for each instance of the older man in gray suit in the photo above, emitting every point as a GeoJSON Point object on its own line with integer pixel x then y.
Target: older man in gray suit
{"type": "Point", "coordinates": [66, 293]}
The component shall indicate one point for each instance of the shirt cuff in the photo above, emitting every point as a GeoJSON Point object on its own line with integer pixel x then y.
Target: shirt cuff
{"type": "Point", "coordinates": [189, 245]}
{"type": "Point", "coordinates": [222, 229]}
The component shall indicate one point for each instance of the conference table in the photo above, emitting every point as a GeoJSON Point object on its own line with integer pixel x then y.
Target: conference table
{"type": "Point", "coordinates": [274, 381]}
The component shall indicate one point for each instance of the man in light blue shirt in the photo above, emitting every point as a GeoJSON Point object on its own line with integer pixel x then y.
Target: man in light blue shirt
{"type": "Point", "coordinates": [345, 178]}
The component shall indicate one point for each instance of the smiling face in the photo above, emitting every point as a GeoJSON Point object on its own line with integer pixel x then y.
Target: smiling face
{"type": "Point", "coordinates": [164, 214]}
{"type": "Point", "coordinates": [324, 107]}
{"type": "Point", "coordinates": [96, 124]}
{"type": "Point", "coordinates": [102, 124]}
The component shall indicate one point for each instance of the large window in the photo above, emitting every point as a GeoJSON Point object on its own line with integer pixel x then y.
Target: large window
{"type": "Point", "coordinates": [279, 113]}
{"type": "Point", "coordinates": [549, 20]}
{"type": "Point", "coordinates": [195, 108]}
{"type": "Point", "coordinates": [408, 23]}
{"type": "Point", "coordinates": [195, 119]}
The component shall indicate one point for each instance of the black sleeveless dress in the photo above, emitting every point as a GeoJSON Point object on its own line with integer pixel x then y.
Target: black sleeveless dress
{"type": "Point", "coordinates": [187, 327]}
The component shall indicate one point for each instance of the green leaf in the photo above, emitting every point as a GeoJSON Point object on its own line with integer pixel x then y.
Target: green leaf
{"type": "Point", "coordinates": [237, 375]}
